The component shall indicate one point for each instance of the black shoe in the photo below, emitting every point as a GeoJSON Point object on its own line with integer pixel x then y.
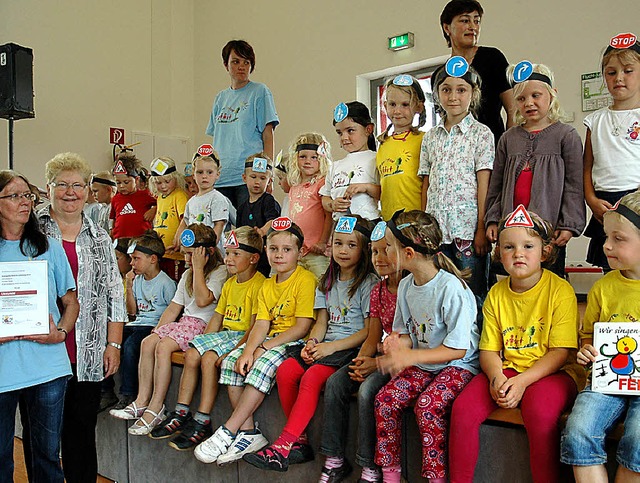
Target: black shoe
{"type": "Point", "coordinates": [301, 453]}
{"type": "Point", "coordinates": [336, 475]}
{"type": "Point", "coordinates": [171, 425]}
{"type": "Point", "coordinates": [124, 401]}
{"type": "Point", "coordinates": [268, 459]}
{"type": "Point", "coordinates": [193, 433]}
{"type": "Point", "coordinates": [107, 399]}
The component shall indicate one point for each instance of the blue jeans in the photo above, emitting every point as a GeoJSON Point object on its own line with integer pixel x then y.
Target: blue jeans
{"type": "Point", "coordinates": [43, 405]}
{"type": "Point", "coordinates": [593, 416]}
{"type": "Point", "coordinates": [464, 257]}
{"type": "Point", "coordinates": [132, 338]}
{"type": "Point", "coordinates": [337, 396]}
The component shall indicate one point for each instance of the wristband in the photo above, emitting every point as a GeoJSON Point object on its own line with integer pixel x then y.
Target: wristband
{"type": "Point", "coordinates": [60, 329]}
{"type": "Point", "coordinates": [114, 345]}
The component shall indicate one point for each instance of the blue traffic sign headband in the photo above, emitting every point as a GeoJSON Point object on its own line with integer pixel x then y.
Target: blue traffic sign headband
{"type": "Point", "coordinates": [346, 224]}
{"type": "Point", "coordinates": [456, 66]}
{"type": "Point", "coordinates": [188, 240]}
{"type": "Point", "coordinates": [341, 112]}
{"type": "Point", "coordinates": [378, 231]}
{"type": "Point", "coordinates": [259, 165]}
{"type": "Point", "coordinates": [405, 80]}
{"type": "Point", "coordinates": [523, 71]}
{"type": "Point", "coordinates": [405, 240]}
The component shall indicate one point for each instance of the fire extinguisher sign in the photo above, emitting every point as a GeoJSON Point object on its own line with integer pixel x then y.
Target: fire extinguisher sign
{"type": "Point", "coordinates": [116, 135]}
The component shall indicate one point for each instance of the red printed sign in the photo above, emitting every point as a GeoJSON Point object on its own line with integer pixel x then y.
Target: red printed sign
{"type": "Point", "coordinates": [281, 224]}
{"type": "Point", "coordinates": [116, 135]}
{"type": "Point", "coordinates": [623, 41]}
{"type": "Point", "coordinates": [205, 150]}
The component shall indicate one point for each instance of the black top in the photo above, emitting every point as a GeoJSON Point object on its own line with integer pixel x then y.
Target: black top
{"type": "Point", "coordinates": [257, 214]}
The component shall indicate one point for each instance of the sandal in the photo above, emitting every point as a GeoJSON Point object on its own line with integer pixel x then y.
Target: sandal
{"type": "Point", "coordinates": [132, 411]}
{"type": "Point", "coordinates": [142, 427]}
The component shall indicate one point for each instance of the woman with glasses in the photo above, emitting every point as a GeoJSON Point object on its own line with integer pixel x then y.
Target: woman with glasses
{"type": "Point", "coordinates": [34, 369]}
{"type": "Point", "coordinates": [94, 345]}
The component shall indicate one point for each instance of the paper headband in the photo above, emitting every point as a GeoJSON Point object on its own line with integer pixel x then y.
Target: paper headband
{"type": "Point", "coordinates": [119, 168]}
{"type": "Point", "coordinates": [259, 165]}
{"type": "Point", "coordinates": [135, 247]}
{"type": "Point", "coordinates": [628, 213]}
{"type": "Point", "coordinates": [121, 247]}
{"type": "Point", "coordinates": [188, 240]}
{"type": "Point", "coordinates": [99, 180]}
{"type": "Point", "coordinates": [279, 164]}
{"type": "Point", "coordinates": [523, 71]}
{"type": "Point", "coordinates": [521, 218]}
{"type": "Point", "coordinates": [160, 168]}
{"type": "Point", "coordinates": [188, 170]}
{"type": "Point", "coordinates": [346, 224]}
{"type": "Point", "coordinates": [232, 242]}
{"type": "Point", "coordinates": [623, 41]}
{"type": "Point", "coordinates": [341, 112]}
{"type": "Point", "coordinates": [206, 150]}
{"type": "Point", "coordinates": [321, 148]}
{"type": "Point", "coordinates": [378, 231]}
{"type": "Point", "coordinates": [405, 240]}
{"type": "Point", "coordinates": [404, 80]}
{"type": "Point", "coordinates": [285, 224]}
{"type": "Point", "coordinates": [456, 66]}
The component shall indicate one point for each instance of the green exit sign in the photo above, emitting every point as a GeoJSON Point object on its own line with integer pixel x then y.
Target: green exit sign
{"type": "Point", "coordinates": [400, 42]}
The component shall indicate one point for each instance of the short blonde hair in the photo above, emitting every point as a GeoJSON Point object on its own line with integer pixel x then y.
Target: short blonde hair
{"type": "Point", "coordinates": [625, 56]}
{"type": "Point", "coordinates": [631, 201]}
{"type": "Point", "coordinates": [555, 113]}
{"type": "Point", "coordinates": [294, 176]}
{"type": "Point", "coordinates": [67, 162]}
{"type": "Point", "coordinates": [179, 177]}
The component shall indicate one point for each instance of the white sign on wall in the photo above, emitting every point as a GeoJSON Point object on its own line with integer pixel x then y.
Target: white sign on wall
{"type": "Point", "coordinates": [594, 92]}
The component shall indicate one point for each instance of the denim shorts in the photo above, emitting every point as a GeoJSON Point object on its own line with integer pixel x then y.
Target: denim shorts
{"type": "Point", "coordinates": [593, 416]}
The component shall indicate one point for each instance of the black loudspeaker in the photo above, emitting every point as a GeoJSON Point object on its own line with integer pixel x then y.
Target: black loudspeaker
{"type": "Point", "coordinates": [16, 82]}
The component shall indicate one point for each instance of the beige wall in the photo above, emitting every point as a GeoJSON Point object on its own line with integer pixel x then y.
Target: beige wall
{"type": "Point", "coordinates": [155, 66]}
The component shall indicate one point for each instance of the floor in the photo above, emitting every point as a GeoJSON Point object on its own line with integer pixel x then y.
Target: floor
{"type": "Point", "coordinates": [20, 472]}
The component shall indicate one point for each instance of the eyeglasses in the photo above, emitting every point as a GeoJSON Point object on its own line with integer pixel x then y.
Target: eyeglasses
{"type": "Point", "coordinates": [62, 186]}
{"type": "Point", "coordinates": [17, 197]}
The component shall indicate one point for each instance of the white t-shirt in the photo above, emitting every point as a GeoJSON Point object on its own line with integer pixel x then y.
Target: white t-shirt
{"type": "Point", "coordinates": [616, 159]}
{"type": "Point", "coordinates": [207, 208]}
{"type": "Point", "coordinates": [357, 167]}
{"type": "Point", "coordinates": [215, 281]}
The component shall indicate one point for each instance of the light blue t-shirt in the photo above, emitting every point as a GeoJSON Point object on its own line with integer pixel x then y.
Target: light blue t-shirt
{"type": "Point", "coordinates": [346, 315]}
{"type": "Point", "coordinates": [442, 311]}
{"type": "Point", "coordinates": [24, 363]}
{"type": "Point", "coordinates": [237, 121]}
{"type": "Point", "coordinates": [152, 298]}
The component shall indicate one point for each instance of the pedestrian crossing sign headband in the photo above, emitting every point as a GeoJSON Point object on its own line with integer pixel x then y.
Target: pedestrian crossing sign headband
{"type": "Point", "coordinates": [628, 213]}
{"type": "Point", "coordinates": [285, 224]}
{"type": "Point", "coordinates": [346, 224]}
{"type": "Point", "coordinates": [188, 240]}
{"type": "Point", "coordinates": [623, 41]}
{"type": "Point", "coordinates": [259, 165]}
{"type": "Point", "coordinates": [405, 240]}
{"type": "Point", "coordinates": [523, 71]}
{"type": "Point", "coordinates": [232, 242]}
{"type": "Point", "coordinates": [521, 218]}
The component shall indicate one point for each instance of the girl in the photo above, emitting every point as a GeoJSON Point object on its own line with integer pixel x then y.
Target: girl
{"type": "Point", "coordinates": [361, 376]}
{"type": "Point", "coordinates": [529, 330]}
{"type": "Point", "coordinates": [280, 170]}
{"type": "Point", "coordinates": [612, 145]}
{"type": "Point", "coordinates": [613, 298]}
{"type": "Point", "coordinates": [538, 162]}
{"type": "Point", "coordinates": [309, 158]}
{"type": "Point", "coordinates": [190, 185]}
{"type": "Point", "coordinates": [353, 185]}
{"type": "Point", "coordinates": [432, 352]}
{"type": "Point", "coordinates": [342, 301]}
{"type": "Point", "coordinates": [167, 185]}
{"type": "Point", "coordinates": [197, 293]}
{"type": "Point", "coordinates": [399, 153]}
{"type": "Point", "coordinates": [455, 164]}
{"type": "Point", "coordinates": [209, 206]}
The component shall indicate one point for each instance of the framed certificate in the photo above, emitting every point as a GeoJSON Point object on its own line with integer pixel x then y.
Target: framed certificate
{"type": "Point", "coordinates": [617, 367]}
{"type": "Point", "coordinates": [24, 298]}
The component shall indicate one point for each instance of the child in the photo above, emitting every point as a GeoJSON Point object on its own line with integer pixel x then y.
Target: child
{"type": "Point", "coordinates": [285, 310]}
{"type": "Point", "coordinates": [612, 145]}
{"type": "Point", "coordinates": [281, 174]}
{"type": "Point", "coordinates": [103, 188]}
{"type": "Point", "coordinates": [197, 293]}
{"type": "Point", "coordinates": [399, 153]}
{"type": "Point", "coordinates": [538, 162]}
{"type": "Point", "coordinates": [190, 184]}
{"type": "Point", "coordinates": [261, 207]}
{"type": "Point", "coordinates": [455, 164]}
{"type": "Point", "coordinates": [433, 350]}
{"type": "Point", "coordinates": [227, 330]}
{"type": "Point", "coordinates": [353, 185]}
{"type": "Point", "coordinates": [361, 376]}
{"type": "Point", "coordinates": [148, 293]}
{"type": "Point", "coordinates": [209, 206]}
{"type": "Point", "coordinates": [309, 157]}
{"type": "Point", "coordinates": [613, 298]}
{"type": "Point", "coordinates": [529, 331]}
{"type": "Point", "coordinates": [167, 184]}
{"type": "Point", "coordinates": [342, 322]}
{"type": "Point", "coordinates": [132, 210]}
{"type": "Point", "coordinates": [121, 246]}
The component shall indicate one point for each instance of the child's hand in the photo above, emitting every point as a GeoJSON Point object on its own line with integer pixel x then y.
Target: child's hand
{"type": "Point", "coordinates": [361, 368]}
{"type": "Point", "coordinates": [492, 232]}
{"type": "Point", "coordinates": [599, 207]}
{"type": "Point", "coordinates": [354, 189]}
{"type": "Point", "coordinates": [199, 258]}
{"type": "Point", "coordinates": [129, 278]}
{"type": "Point", "coordinates": [150, 214]}
{"type": "Point", "coordinates": [244, 363]}
{"type": "Point", "coordinates": [587, 354]}
{"type": "Point", "coordinates": [341, 204]}
{"type": "Point", "coordinates": [561, 237]}
{"type": "Point", "coordinates": [321, 350]}
{"type": "Point", "coordinates": [496, 384]}
{"type": "Point", "coordinates": [393, 363]}
{"type": "Point", "coordinates": [305, 354]}
{"type": "Point", "coordinates": [391, 343]}
{"type": "Point", "coordinates": [511, 392]}
{"type": "Point", "coordinates": [220, 359]}
{"type": "Point", "coordinates": [481, 244]}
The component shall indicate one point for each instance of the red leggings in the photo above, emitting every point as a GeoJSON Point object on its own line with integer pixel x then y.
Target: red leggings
{"type": "Point", "coordinates": [542, 404]}
{"type": "Point", "coordinates": [299, 391]}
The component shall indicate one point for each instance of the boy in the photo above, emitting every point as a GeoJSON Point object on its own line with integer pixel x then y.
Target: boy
{"type": "Point", "coordinates": [148, 292]}
{"type": "Point", "coordinates": [131, 209]}
{"type": "Point", "coordinates": [261, 207]}
{"type": "Point", "coordinates": [227, 330]}
{"type": "Point", "coordinates": [103, 187]}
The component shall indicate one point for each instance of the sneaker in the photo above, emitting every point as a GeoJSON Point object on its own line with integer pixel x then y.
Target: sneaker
{"type": "Point", "coordinates": [243, 444]}
{"type": "Point", "coordinates": [268, 459]}
{"type": "Point", "coordinates": [301, 453]}
{"type": "Point", "coordinates": [107, 399]}
{"type": "Point", "coordinates": [336, 475]}
{"type": "Point", "coordinates": [193, 433]}
{"type": "Point", "coordinates": [209, 450]}
{"type": "Point", "coordinates": [124, 401]}
{"type": "Point", "coordinates": [171, 425]}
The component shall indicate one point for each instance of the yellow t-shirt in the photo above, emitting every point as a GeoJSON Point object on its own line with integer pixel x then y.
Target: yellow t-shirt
{"type": "Point", "coordinates": [239, 301]}
{"type": "Point", "coordinates": [281, 303]}
{"type": "Point", "coordinates": [168, 217]}
{"type": "Point", "coordinates": [398, 160]}
{"type": "Point", "coordinates": [613, 298]}
{"type": "Point", "coordinates": [524, 326]}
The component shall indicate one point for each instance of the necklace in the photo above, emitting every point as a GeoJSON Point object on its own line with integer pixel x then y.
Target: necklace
{"type": "Point", "coordinates": [617, 127]}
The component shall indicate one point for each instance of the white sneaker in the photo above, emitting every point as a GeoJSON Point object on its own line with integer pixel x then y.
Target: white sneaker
{"type": "Point", "coordinates": [209, 450]}
{"type": "Point", "coordinates": [243, 444]}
